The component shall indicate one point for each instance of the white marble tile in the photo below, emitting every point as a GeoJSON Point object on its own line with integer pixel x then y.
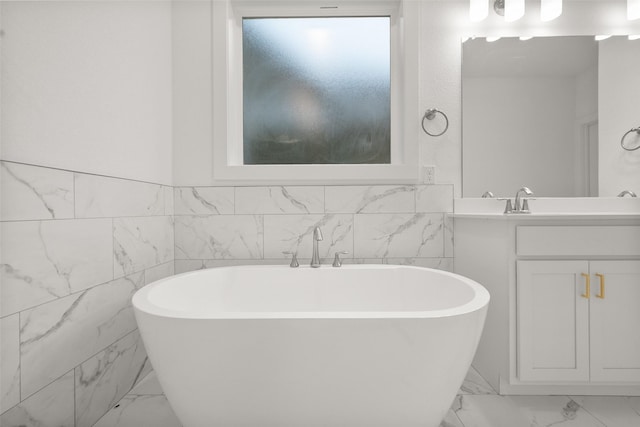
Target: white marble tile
{"type": "Point", "coordinates": [105, 378]}
{"type": "Point", "coordinates": [203, 200]}
{"type": "Point", "coordinates": [99, 196]}
{"type": "Point", "coordinates": [186, 265]}
{"type": "Point", "coordinates": [275, 200]}
{"type": "Point", "coordinates": [612, 411]}
{"type": "Point", "coordinates": [398, 236]}
{"type": "Point", "coordinates": [158, 272]}
{"type": "Point", "coordinates": [9, 362]}
{"type": "Point", "coordinates": [57, 336]}
{"type": "Point", "coordinates": [32, 192]}
{"type": "Point", "coordinates": [451, 420]}
{"type": "Point", "coordinates": [510, 411]}
{"type": "Point", "coordinates": [149, 385]}
{"type": "Point", "coordinates": [370, 199]}
{"type": "Point", "coordinates": [168, 200]}
{"type": "Point", "coordinates": [50, 407]}
{"type": "Point", "coordinates": [475, 384]}
{"type": "Point", "coordinates": [140, 411]}
{"type": "Point", "coordinates": [45, 260]}
{"type": "Point", "coordinates": [434, 198]}
{"type": "Point", "coordinates": [448, 236]}
{"type": "Point", "coordinates": [141, 242]}
{"type": "Point", "coordinates": [219, 237]}
{"type": "Point", "coordinates": [295, 233]}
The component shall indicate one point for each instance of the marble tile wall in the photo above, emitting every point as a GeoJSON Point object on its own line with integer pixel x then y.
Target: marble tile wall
{"type": "Point", "coordinates": [74, 249]}
{"type": "Point", "coordinates": [395, 224]}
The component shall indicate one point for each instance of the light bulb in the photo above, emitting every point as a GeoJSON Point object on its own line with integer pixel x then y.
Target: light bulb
{"type": "Point", "coordinates": [513, 10]}
{"type": "Point", "coordinates": [550, 9]}
{"type": "Point", "coordinates": [478, 10]}
{"type": "Point", "coordinates": [633, 9]}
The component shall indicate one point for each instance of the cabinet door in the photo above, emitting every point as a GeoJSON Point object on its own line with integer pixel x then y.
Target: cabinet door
{"type": "Point", "coordinates": [552, 321]}
{"type": "Point", "coordinates": [615, 321]}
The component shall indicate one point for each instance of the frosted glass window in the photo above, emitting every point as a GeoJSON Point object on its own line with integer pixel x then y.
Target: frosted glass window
{"type": "Point", "coordinates": [316, 90]}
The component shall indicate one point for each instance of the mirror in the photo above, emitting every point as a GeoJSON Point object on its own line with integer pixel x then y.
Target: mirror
{"type": "Point", "coordinates": [530, 116]}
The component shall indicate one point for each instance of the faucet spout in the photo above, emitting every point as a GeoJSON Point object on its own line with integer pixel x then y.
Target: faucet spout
{"type": "Point", "coordinates": [627, 193]}
{"type": "Point", "coordinates": [315, 258]}
{"type": "Point", "coordinates": [519, 207]}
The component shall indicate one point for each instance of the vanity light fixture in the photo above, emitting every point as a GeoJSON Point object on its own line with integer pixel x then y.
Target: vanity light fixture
{"type": "Point", "coordinates": [633, 9]}
{"type": "Point", "coordinates": [550, 9]}
{"type": "Point", "coordinates": [602, 37]}
{"type": "Point", "coordinates": [512, 10]}
{"type": "Point", "coordinates": [478, 10]}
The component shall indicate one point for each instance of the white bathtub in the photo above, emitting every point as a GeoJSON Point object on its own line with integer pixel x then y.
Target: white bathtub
{"type": "Point", "coordinates": [273, 346]}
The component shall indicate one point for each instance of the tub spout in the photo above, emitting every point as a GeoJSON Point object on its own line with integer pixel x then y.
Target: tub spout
{"type": "Point", "coordinates": [315, 258]}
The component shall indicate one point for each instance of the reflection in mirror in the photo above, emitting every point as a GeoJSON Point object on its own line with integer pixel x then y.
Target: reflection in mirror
{"type": "Point", "coordinates": [530, 116]}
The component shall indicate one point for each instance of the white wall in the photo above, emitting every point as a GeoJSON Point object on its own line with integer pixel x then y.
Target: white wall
{"type": "Point", "coordinates": [530, 142]}
{"type": "Point", "coordinates": [86, 86]}
{"type": "Point", "coordinates": [86, 90]}
{"type": "Point", "coordinates": [619, 111]}
{"type": "Point", "coordinates": [443, 23]}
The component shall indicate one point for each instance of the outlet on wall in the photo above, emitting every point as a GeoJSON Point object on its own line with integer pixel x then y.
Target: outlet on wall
{"type": "Point", "coordinates": [428, 174]}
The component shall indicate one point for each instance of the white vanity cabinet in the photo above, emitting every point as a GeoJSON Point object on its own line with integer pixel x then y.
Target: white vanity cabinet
{"type": "Point", "coordinates": [578, 321]}
{"type": "Point", "coordinates": [564, 316]}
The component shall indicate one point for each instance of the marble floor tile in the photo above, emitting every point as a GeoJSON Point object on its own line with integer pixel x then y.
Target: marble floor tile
{"type": "Point", "coordinates": [522, 411]}
{"type": "Point", "coordinates": [477, 405]}
{"type": "Point", "coordinates": [612, 411]}
{"type": "Point", "coordinates": [140, 411]}
{"type": "Point", "coordinates": [475, 384]}
{"type": "Point", "coordinates": [148, 385]}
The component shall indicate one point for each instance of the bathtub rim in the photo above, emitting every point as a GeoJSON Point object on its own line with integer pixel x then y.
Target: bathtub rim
{"type": "Point", "coordinates": [480, 300]}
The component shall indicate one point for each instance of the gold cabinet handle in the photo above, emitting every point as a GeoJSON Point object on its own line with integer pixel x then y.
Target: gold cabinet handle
{"type": "Point", "coordinates": [601, 277]}
{"type": "Point", "coordinates": [588, 280]}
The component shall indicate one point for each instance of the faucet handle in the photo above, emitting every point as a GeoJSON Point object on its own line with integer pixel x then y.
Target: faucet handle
{"type": "Point", "coordinates": [294, 258]}
{"type": "Point", "coordinates": [525, 204]}
{"type": "Point", "coordinates": [509, 207]}
{"type": "Point", "coordinates": [337, 262]}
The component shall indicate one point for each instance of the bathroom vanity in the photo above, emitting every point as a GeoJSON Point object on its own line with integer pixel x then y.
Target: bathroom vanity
{"type": "Point", "coordinates": [564, 280]}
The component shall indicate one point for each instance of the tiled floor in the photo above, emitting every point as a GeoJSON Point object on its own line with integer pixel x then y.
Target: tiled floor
{"type": "Point", "coordinates": [477, 405]}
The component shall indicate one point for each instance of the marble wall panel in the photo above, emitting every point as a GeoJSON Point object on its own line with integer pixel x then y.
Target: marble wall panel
{"type": "Point", "coordinates": [203, 200]}
{"type": "Point", "coordinates": [105, 378]}
{"type": "Point", "coordinates": [168, 200]}
{"type": "Point", "coordinates": [279, 200]}
{"type": "Point", "coordinates": [141, 242]}
{"type": "Point", "coordinates": [57, 336]}
{"type": "Point", "coordinates": [100, 196]}
{"type": "Point", "coordinates": [31, 192]}
{"type": "Point", "coordinates": [158, 272]}
{"type": "Point", "coordinates": [219, 237]}
{"type": "Point", "coordinates": [52, 406]}
{"type": "Point", "coordinates": [9, 362]}
{"type": "Point", "coordinates": [434, 198]}
{"type": "Point", "coordinates": [399, 236]}
{"type": "Point", "coordinates": [295, 233]}
{"type": "Point", "coordinates": [45, 260]}
{"type": "Point", "coordinates": [370, 199]}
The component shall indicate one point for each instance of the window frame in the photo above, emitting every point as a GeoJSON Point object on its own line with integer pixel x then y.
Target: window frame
{"type": "Point", "coordinates": [228, 168]}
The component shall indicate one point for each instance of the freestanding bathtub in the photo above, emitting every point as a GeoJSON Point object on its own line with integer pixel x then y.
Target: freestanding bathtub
{"type": "Point", "coordinates": [274, 346]}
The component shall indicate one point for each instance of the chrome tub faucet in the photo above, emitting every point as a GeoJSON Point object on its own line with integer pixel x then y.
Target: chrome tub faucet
{"type": "Point", "coordinates": [315, 258]}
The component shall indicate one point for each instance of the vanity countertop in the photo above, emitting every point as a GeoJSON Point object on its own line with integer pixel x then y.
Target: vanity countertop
{"type": "Point", "coordinates": [571, 208]}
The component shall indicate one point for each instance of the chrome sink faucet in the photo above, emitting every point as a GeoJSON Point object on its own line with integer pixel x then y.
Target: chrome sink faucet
{"type": "Point", "coordinates": [524, 206]}
{"type": "Point", "coordinates": [315, 258]}
{"type": "Point", "coordinates": [627, 193]}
